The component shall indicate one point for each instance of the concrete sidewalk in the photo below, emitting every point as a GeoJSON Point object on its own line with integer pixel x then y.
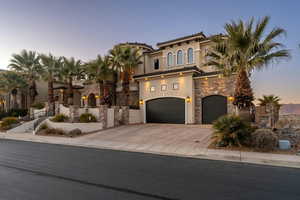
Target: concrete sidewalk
{"type": "Point", "coordinates": [192, 152]}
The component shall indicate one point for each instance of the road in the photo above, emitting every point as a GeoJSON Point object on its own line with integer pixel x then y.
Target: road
{"type": "Point", "coordinates": [35, 171]}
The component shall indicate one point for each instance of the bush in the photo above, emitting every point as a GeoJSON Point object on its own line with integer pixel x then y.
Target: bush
{"type": "Point", "coordinates": [231, 130]}
{"type": "Point", "coordinates": [7, 122]}
{"type": "Point", "coordinates": [87, 117]}
{"type": "Point", "coordinates": [264, 140]}
{"type": "Point", "coordinates": [14, 113]}
{"type": "Point", "coordinates": [38, 105]}
{"type": "Point", "coordinates": [53, 131]}
{"type": "Point", "coordinates": [43, 127]}
{"type": "Point", "coordinates": [60, 118]}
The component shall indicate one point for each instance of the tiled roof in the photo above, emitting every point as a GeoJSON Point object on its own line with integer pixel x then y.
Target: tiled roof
{"type": "Point", "coordinates": [182, 38]}
{"type": "Point", "coordinates": [137, 43]}
{"type": "Point", "coordinates": [193, 68]}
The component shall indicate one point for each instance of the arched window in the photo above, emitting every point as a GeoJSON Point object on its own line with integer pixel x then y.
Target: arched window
{"type": "Point", "coordinates": [179, 57]}
{"type": "Point", "coordinates": [190, 55]}
{"type": "Point", "coordinates": [170, 59]}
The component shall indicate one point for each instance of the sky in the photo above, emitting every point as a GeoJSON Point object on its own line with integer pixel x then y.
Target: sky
{"type": "Point", "coordinates": [86, 28]}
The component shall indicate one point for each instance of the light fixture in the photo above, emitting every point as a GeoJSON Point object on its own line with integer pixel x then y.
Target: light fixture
{"type": "Point", "coordinates": [61, 90]}
{"type": "Point", "coordinates": [97, 96]}
{"type": "Point", "coordinates": [84, 97]}
{"type": "Point", "coordinates": [162, 76]}
{"type": "Point", "coordinates": [188, 99]}
{"type": "Point", "coordinates": [141, 102]}
{"type": "Point", "coordinates": [206, 78]}
{"type": "Point", "coordinates": [180, 73]}
{"type": "Point", "coordinates": [230, 98]}
{"type": "Point", "coordinates": [220, 76]}
{"type": "Point", "coordinates": [146, 79]}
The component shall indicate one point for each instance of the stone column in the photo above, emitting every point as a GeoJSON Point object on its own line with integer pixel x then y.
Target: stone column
{"type": "Point", "coordinates": [125, 115]}
{"type": "Point", "coordinates": [116, 115]}
{"type": "Point", "coordinates": [57, 107]}
{"type": "Point", "coordinates": [103, 115]}
{"type": "Point", "coordinates": [74, 113]}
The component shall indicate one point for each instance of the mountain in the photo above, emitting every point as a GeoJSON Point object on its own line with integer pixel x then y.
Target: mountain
{"type": "Point", "coordinates": [287, 109]}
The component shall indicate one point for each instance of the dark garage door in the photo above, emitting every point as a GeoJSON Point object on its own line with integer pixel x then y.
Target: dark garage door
{"type": "Point", "coordinates": [213, 107]}
{"type": "Point", "coordinates": [165, 110]}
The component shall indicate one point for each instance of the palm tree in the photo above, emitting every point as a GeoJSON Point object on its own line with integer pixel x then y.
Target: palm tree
{"type": "Point", "coordinates": [100, 70]}
{"type": "Point", "coordinates": [70, 69]}
{"type": "Point", "coordinates": [27, 63]}
{"type": "Point", "coordinates": [124, 60]}
{"type": "Point", "coordinates": [269, 99]}
{"type": "Point", "coordinates": [244, 48]}
{"type": "Point", "coordinates": [51, 66]}
{"type": "Point", "coordinates": [10, 83]}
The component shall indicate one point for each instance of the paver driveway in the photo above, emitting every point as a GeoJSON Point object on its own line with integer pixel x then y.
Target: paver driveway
{"type": "Point", "coordinates": [163, 138]}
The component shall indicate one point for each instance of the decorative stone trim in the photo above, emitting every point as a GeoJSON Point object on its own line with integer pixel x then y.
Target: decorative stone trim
{"type": "Point", "coordinates": [103, 115]}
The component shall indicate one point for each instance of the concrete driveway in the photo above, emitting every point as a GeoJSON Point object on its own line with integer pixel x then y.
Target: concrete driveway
{"type": "Point", "coordinates": [162, 138]}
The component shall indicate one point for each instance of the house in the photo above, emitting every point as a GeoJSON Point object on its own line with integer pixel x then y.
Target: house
{"type": "Point", "coordinates": [173, 84]}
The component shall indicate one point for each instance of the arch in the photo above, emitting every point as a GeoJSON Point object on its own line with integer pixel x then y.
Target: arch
{"type": "Point", "coordinates": [179, 57]}
{"type": "Point", "coordinates": [92, 100]}
{"type": "Point", "coordinates": [190, 55]}
{"type": "Point", "coordinates": [213, 107]}
{"type": "Point", "coordinates": [170, 59]}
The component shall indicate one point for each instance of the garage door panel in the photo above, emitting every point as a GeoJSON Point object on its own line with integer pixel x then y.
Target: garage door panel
{"type": "Point", "coordinates": [165, 110]}
{"type": "Point", "coordinates": [213, 107]}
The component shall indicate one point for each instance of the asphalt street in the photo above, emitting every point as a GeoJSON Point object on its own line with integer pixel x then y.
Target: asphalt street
{"type": "Point", "coordinates": [35, 171]}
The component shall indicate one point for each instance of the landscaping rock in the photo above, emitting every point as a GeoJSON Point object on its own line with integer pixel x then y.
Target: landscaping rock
{"type": "Point", "coordinates": [291, 134]}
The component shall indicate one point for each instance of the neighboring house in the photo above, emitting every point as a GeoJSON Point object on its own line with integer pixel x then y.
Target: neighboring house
{"type": "Point", "coordinates": [176, 87]}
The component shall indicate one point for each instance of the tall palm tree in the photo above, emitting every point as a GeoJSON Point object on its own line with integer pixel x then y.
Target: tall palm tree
{"type": "Point", "coordinates": [269, 99]}
{"type": "Point", "coordinates": [124, 60]}
{"type": "Point", "coordinates": [27, 63]}
{"type": "Point", "coordinates": [100, 70]}
{"type": "Point", "coordinates": [70, 69]}
{"type": "Point", "coordinates": [10, 83]}
{"type": "Point", "coordinates": [246, 46]}
{"type": "Point", "coordinates": [50, 69]}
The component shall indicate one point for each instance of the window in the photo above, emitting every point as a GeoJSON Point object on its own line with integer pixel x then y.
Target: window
{"type": "Point", "coordinates": [175, 86]}
{"type": "Point", "coordinates": [179, 57]}
{"type": "Point", "coordinates": [152, 89]}
{"type": "Point", "coordinates": [156, 64]}
{"type": "Point", "coordinates": [163, 87]}
{"type": "Point", "coordinates": [190, 55]}
{"type": "Point", "coordinates": [170, 59]}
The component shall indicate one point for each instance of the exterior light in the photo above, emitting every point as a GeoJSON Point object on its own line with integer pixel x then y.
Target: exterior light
{"type": "Point", "coordinates": [220, 76]}
{"type": "Point", "coordinates": [61, 91]}
{"type": "Point", "coordinates": [180, 73]}
{"type": "Point", "coordinates": [206, 78]}
{"type": "Point", "coordinates": [97, 96]}
{"type": "Point", "coordinates": [230, 98]}
{"type": "Point", "coordinates": [162, 76]}
{"type": "Point", "coordinates": [141, 102]}
{"type": "Point", "coordinates": [84, 97]}
{"type": "Point", "coordinates": [146, 79]}
{"type": "Point", "coordinates": [188, 99]}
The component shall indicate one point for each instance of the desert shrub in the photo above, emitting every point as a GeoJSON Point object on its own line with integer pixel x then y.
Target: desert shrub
{"type": "Point", "coordinates": [74, 132]}
{"type": "Point", "coordinates": [38, 106]}
{"type": "Point", "coordinates": [231, 130]}
{"type": "Point", "coordinates": [54, 131]}
{"type": "Point", "coordinates": [264, 140]}
{"type": "Point", "coordinates": [43, 127]}
{"type": "Point", "coordinates": [87, 117]}
{"type": "Point", "coordinates": [60, 118]}
{"type": "Point", "coordinates": [14, 113]}
{"type": "Point", "coordinates": [7, 122]}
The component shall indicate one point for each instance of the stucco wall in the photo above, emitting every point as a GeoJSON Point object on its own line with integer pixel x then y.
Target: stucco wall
{"type": "Point", "coordinates": [84, 127]}
{"type": "Point", "coordinates": [186, 88]}
{"type": "Point", "coordinates": [214, 85]}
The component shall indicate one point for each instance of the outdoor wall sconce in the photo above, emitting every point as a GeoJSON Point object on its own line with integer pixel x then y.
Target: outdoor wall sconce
{"type": "Point", "coordinates": [162, 76]}
{"type": "Point", "coordinates": [61, 91]}
{"type": "Point", "coordinates": [206, 78]}
{"type": "Point", "coordinates": [180, 73]}
{"type": "Point", "coordinates": [97, 97]}
{"type": "Point", "coordinates": [220, 76]}
{"type": "Point", "coordinates": [146, 79]}
{"type": "Point", "coordinates": [84, 97]}
{"type": "Point", "coordinates": [231, 98]}
{"type": "Point", "coordinates": [188, 99]}
{"type": "Point", "coordinates": [141, 102]}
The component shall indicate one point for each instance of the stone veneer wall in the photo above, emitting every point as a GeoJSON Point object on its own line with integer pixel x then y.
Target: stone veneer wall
{"type": "Point", "coordinates": [214, 85]}
{"type": "Point", "coordinates": [133, 98]}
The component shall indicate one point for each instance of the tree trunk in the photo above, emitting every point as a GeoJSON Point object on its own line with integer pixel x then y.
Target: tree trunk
{"type": "Point", "coordinates": [125, 85]}
{"type": "Point", "coordinates": [70, 91]}
{"type": "Point", "coordinates": [51, 103]}
{"type": "Point", "coordinates": [32, 92]}
{"type": "Point", "coordinates": [114, 88]}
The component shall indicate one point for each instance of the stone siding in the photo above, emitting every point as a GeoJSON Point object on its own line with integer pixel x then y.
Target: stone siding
{"type": "Point", "coordinates": [133, 98]}
{"type": "Point", "coordinates": [212, 86]}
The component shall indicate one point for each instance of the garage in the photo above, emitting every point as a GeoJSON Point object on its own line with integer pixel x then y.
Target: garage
{"type": "Point", "coordinates": [213, 107]}
{"type": "Point", "coordinates": [165, 110]}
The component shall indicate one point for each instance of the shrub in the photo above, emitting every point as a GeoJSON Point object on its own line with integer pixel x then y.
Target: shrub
{"type": "Point", "coordinates": [14, 113]}
{"type": "Point", "coordinates": [38, 105]}
{"type": "Point", "coordinates": [60, 118]}
{"type": "Point", "coordinates": [53, 131]}
{"type": "Point", "coordinates": [87, 117]}
{"type": "Point", "coordinates": [264, 140]}
{"type": "Point", "coordinates": [43, 127]}
{"type": "Point", "coordinates": [231, 130]}
{"type": "Point", "coordinates": [7, 122]}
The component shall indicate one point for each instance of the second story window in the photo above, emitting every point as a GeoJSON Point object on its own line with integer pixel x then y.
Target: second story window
{"type": "Point", "coordinates": [179, 57]}
{"type": "Point", "coordinates": [170, 59]}
{"type": "Point", "coordinates": [156, 64]}
{"type": "Point", "coordinates": [190, 56]}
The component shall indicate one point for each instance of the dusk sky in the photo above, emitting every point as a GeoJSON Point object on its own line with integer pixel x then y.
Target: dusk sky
{"type": "Point", "coordinates": [83, 29]}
